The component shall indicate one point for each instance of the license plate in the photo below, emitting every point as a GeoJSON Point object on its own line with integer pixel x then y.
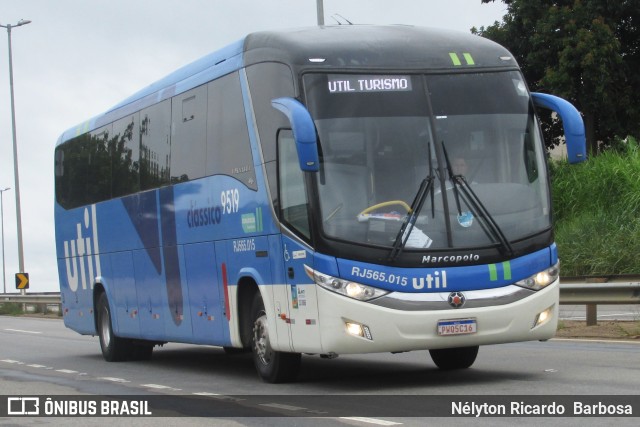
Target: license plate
{"type": "Point", "coordinates": [457, 327]}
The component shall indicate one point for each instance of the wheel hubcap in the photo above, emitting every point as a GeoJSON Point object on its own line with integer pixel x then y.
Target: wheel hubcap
{"type": "Point", "coordinates": [105, 327]}
{"type": "Point", "coordinates": [261, 344]}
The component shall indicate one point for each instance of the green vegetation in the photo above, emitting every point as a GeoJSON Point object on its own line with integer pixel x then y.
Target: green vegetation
{"type": "Point", "coordinates": [16, 309]}
{"type": "Point", "coordinates": [11, 308]}
{"type": "Point", "coordinates": [597, 212]}
{"type": "Point", "coordinates": [586, 51]}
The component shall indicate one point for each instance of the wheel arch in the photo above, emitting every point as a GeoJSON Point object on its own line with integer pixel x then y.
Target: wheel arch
{"type": "Point", "coordinates": [247, 288]}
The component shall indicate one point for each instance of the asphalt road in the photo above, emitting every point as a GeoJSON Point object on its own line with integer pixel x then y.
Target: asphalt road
{"type": "Point", "coordinates": [41, 357]}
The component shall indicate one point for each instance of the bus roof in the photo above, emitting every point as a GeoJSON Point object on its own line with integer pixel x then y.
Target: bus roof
{"type": "Point", "coordinates": [341, 47]}
{"type": "Point", "coordinates": [393, 47]}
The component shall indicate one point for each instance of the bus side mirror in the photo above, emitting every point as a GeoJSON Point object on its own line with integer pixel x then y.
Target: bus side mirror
{"type": "Point", "coordinates": [571, 121]}
{"type": "Point", "coordinates": [304, 131]}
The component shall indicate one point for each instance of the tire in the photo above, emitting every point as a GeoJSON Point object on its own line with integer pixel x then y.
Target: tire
{"type": "Point", "coordinates": [272, 366]}
{"type": "Point", "coordinates": [454, 358]}
{"type": "Point", "coordinates": [114, 349]}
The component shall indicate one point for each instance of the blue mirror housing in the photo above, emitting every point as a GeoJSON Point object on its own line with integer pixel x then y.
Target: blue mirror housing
{"type": "Point", "coordinates": [571, 121]}
{"type": "Point", "coordinates": [304, 131]}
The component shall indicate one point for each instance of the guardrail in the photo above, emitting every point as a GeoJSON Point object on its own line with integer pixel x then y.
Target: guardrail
{"type": "Point", "coordinates": [42, 301]}
{"type": "Point", "coordinates": [589, 291]}
{"type": "Point", "coordinates": [592, 291]}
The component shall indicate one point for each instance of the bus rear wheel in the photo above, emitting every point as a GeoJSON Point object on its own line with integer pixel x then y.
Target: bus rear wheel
{"type": "Point", "coordinates": [272, 366]}
{"type": "Point", "coordinates": [454, 358]}
{"type": "Point", "coordinates": [114, 349]}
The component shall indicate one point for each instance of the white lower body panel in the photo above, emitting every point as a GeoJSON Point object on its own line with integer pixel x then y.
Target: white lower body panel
{"type": "Point", "coordinates": [395, 330]}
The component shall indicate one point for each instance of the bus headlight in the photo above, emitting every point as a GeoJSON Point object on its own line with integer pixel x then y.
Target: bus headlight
{"type": "Point", "coordinates": [542, 279]}
{"type": "Point", "coordinates": [345, 287]}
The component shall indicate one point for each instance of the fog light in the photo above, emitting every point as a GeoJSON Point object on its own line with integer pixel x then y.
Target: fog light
{"type": "Point", "coordinates": [543, 317]}
{"type": "Point", "coordinates": [358, 330]}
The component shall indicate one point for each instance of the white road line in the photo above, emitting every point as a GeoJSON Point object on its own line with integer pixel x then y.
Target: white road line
{"type": "Point", "coordinates": [23, 331]}
{"type": "Point", "coordinates": [160, 387]}
{"type": "Point", "coordinates": [371, 421]}
{"type": "Point", "coordinates": [115, 380]}
{"type": "Point", "coordinates": [602, 340]}
{"type": "Point", "coordinates": [216, 396]}
{"type": "Point", "coordinates": [15, 362]}
{"type": "Point", "coordinates": [600, 316]}
{"type": "Point", "coordinates": [66, 371]}
{"type": "Point", "coordinates": [281, 406]}
{"type": "Point", "coordinates": [35, 365]}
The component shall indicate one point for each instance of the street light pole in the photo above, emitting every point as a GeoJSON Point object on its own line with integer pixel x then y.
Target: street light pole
{"type": "Point", "coordinates": [4, 276]}
{"type": "Point", "coordinates": [320, 11]}
{"type": "Point", "coordinates": [15, 146]}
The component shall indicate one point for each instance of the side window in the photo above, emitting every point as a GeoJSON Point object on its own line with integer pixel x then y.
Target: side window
{"type": "Point", "coordinates": [155, 145]}
{"type": "Point", "coordinates": [125, 156]}
{"type": "Point", "coordinates": [268, 81]}
{"type": "Point", "coordinates": [98, 178]}
{"type": "Point", "coordinates": [228, 146]}
{"type": "Point", "coordinates": [293, 196]}
{"type": "Point", "coordinates": [188, 140]}
{"type": "Point", "coordinates": [83, 169]}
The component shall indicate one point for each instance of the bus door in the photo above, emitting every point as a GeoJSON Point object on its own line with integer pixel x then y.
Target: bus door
{"type": "Point", "coordinates": [294, 213]}
{"type": "Point", "coordinates": [302, 316]}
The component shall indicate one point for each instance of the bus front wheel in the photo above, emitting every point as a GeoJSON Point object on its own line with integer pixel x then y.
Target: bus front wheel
{"type": "Point", "coordinates": [273, 366]}
{"type": "Point", "coordinates": [454, 358]}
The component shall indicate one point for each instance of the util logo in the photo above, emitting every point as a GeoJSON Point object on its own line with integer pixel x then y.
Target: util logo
{"type": "Point", "coordinates": [81, 254]}
{"type": "Point", "coordinates": [437, 282]}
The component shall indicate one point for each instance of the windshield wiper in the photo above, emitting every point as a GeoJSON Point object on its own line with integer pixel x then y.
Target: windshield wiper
{"type": "Point", "coordinates": [426, 187]}
{"type": "Point", "coordinates": [489, 225]}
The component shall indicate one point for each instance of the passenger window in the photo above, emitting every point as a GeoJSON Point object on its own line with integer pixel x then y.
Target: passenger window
{"type": "Point", "coordinates": [189, 139]}
{"type": "Point", "coordinates": [228, 146]}
{"type": "Point", "coordinates": [155, 145]}
{"type": "Point", "coordinates": [125, 156]}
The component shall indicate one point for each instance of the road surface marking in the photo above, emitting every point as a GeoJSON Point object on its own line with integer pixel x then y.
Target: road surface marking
{"type": "Point", "coordinates": [281, 406]}
{"type": "Point", "coordinates": [371, 421]}
{"type": "Point", "coordinates": [23, 331]}
{"type": "Point", "coordinates": [17, 362]}
{"type": "Point", "coordinates": [115, 380]}
{"type": "Point", "coordinates": [160, 387]}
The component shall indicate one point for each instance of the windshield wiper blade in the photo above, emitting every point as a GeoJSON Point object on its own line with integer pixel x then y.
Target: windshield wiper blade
{"type": "Point", "coordinates": [489, 225]}
{"type": "Point", "coordinates": [472, 199]}
{"type": "Point", "coordinates": [426, 187]}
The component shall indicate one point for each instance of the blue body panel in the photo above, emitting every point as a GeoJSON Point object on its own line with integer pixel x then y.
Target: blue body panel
{"type": "Point", "coordinates": [467, 278]}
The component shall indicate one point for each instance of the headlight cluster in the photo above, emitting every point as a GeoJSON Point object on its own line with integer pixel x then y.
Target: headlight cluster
{"type": "Point", "coordinates": [542, 279]}
{"type": "Point", "coordinates": [345, 287]}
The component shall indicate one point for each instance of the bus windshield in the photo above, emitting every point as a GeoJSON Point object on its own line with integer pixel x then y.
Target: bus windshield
{"type": "Point", "coordinates": [474, 136]}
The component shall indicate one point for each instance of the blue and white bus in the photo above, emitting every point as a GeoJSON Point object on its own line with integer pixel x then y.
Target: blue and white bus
{"type": "Point", "coordinates": [327, 191]}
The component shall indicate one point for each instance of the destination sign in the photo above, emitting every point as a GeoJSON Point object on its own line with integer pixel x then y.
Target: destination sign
{"type": "Point", "coordinates": [346, 83]}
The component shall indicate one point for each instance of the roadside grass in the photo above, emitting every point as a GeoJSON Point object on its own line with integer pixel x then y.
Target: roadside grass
{"type": "Point", "coordinates": [16, 309]}
{"type": "Point", "coordinates": [596, 209]}
{"type": "Point", "coordinates": [11, 308]}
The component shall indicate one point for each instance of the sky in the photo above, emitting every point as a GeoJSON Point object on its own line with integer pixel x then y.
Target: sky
{"type": "Point", "coordinates": [78, 58]}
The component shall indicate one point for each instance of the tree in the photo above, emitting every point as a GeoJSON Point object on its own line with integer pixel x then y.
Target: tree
{"type": "Point", "coordinates": [586, 51]}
